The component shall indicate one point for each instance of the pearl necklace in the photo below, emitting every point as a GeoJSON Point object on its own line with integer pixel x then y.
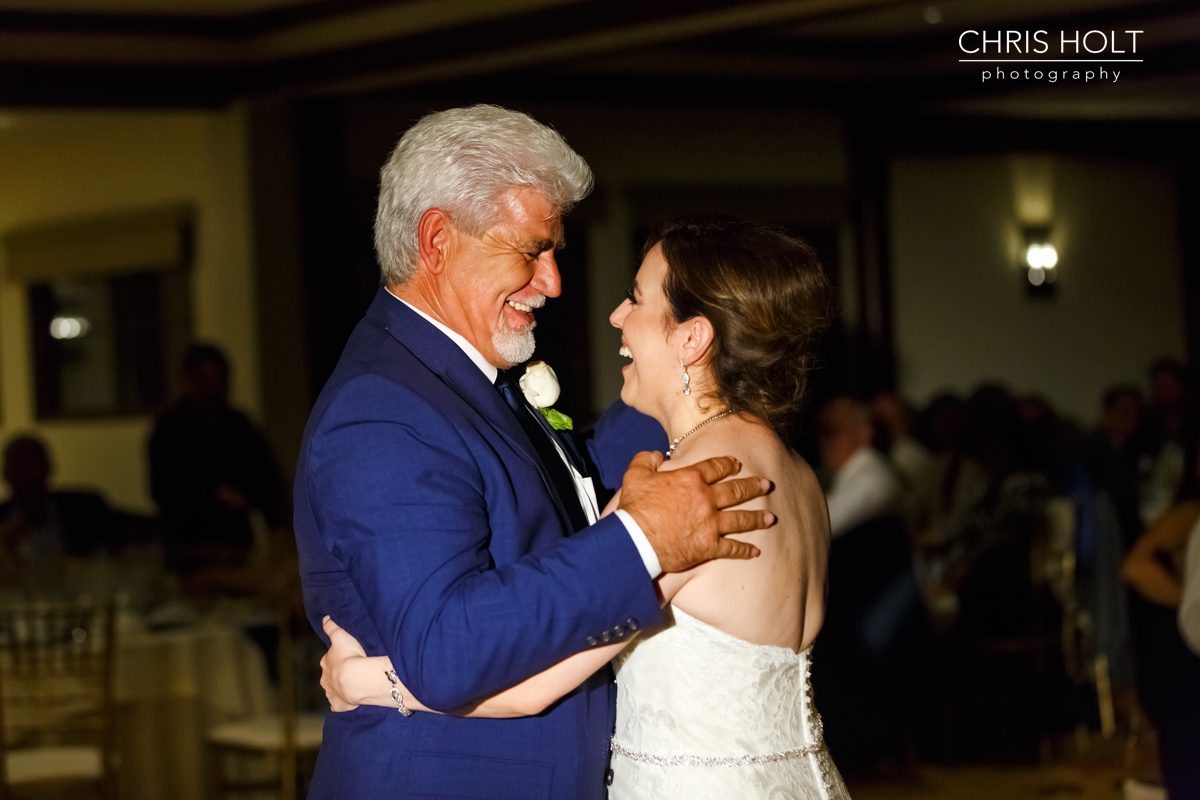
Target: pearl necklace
{"type": "Point", "coordinates": [679, 439]}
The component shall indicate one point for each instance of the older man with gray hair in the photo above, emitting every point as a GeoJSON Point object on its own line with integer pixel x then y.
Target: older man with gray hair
{"type": "Point", "coordinates": [441, 523]}
{"type": "Point", "coordinates": [863, 486]}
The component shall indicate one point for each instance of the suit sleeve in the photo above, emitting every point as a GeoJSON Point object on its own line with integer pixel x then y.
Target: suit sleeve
{"type": "Point", "coordinates": [402, 506]}
{"type": "Point", "coordinates": [619, 435]}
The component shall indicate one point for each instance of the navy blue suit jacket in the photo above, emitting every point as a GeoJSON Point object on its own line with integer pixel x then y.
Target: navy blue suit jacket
{"type": "Point", "coordinates": [426, 529]}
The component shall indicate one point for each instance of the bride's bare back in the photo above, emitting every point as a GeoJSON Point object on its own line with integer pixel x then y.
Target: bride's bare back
{"type": "Point", "coordinates": [778, 598]}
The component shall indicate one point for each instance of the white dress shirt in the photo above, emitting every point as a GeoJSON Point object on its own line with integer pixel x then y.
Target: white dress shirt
{"type": "Point", "coordinates": [583, 486]}
{"type": "Point", "coordinates": [864, 488]}
{"type": "Point", "coordinates": [1189, 607]}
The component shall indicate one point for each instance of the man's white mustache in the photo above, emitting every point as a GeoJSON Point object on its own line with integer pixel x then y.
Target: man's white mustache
{"type": "Point", "coordinates": [529, 304]}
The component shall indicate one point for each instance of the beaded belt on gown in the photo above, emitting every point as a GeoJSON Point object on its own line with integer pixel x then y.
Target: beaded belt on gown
{"type": "Point", "coordinates": [725, 761]}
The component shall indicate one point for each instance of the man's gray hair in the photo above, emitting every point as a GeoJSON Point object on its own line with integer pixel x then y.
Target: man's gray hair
{"type": "Point", "coordinates": [462, 161]}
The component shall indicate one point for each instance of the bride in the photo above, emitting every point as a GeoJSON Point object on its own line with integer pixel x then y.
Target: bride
{"type": "Point", "coordinates": [719, 327]}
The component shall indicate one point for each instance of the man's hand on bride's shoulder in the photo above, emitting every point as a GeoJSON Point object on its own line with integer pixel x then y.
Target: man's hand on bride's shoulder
{"type": "Point", "coordinates": [342, 648]}
{"type": "Point", "coordinates": [683, 512]}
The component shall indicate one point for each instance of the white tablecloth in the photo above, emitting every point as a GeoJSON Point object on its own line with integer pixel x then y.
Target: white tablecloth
{"type": "Point", "coordinates": [171, 687]}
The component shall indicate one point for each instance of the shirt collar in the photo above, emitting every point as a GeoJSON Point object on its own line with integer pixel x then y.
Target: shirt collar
{"type": "Point", "coordinates": [854, 464]}
{"type": "Point", "coordinates": [489, 371]}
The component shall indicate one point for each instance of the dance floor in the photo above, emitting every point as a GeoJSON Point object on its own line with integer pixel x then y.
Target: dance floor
{"type": "Point", "coordinates": [996, 783]}
{"type": "Point", "coordinates": [1095, 771]}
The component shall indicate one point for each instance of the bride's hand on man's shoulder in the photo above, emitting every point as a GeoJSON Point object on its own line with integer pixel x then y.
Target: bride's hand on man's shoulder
{"type": "Point", "coordinates": [342, 648]}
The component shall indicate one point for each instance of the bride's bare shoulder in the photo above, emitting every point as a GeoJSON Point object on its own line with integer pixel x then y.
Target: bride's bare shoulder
{"type": "Point", "coordinates": [762, 453]}
{"type": "Point", "coordinates": [749, 441]}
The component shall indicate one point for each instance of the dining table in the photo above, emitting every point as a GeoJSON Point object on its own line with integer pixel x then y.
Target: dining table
{"type": "Point", "coordinates": [174, 681]}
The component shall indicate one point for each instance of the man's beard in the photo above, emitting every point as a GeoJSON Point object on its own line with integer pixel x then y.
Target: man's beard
{"type": "Point", "coordinates": [516, 346]}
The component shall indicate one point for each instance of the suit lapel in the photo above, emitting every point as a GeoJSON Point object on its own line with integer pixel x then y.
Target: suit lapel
{"type": "Point", "coordinates": [565, 440]}
{"type": "Point", "coordinates": [571, 447]}
{"type": "Point", "coordinates": [446, 360]}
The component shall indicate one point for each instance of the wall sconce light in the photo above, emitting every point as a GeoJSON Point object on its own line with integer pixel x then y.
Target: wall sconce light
{"type": "Point", "coordinates": [69, 327]}
{"type": "Point", "coordinates": [1040, 260]}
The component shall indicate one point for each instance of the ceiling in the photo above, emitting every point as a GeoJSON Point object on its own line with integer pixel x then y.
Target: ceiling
{"type": "Point", "coordinates": [825, 52]}
{"type": "Point", "coordinates": [147, 7]}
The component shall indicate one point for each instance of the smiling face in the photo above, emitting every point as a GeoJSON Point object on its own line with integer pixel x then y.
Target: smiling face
{"type": "Point", "coordinates": [651, 339]}
{"type": "Point", "coordinates": [498, 278]}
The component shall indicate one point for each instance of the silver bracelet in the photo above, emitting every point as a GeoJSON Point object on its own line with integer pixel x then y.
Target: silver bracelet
{"type": "Point", "coordinates": [391, 676]}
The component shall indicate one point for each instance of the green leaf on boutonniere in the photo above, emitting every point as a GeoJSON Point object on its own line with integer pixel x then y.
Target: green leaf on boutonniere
{"type": "Point", "coordinates": [558, 420]}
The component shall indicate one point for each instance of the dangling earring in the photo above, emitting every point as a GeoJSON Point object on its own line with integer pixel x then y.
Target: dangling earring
{"type": "Point", "coordinates": [687, 380]}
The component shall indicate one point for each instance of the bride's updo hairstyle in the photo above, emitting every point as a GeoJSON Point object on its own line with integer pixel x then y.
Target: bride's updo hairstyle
{"type": "Point", "coordinates": [768, 300]}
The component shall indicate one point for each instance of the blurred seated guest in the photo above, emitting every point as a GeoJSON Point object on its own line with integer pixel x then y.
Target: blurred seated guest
{"type": "Point", "coordinates": [995, 435]}
{"type": "Point", "coordinates": [1055, 448]}
{"type": "Point", "coordinates": [1055, 445]}
{"type": "Point", "coordinates": [875, 632]}
{"type": "Point", "coordinates": [1167, 419]}
{"type": "Point", "coordinates": [862, 484]}
{"type": "Point", "coordinates": [956, 483]}
{"type": "Point", "coordinates": [894, 418]}
{"type": "Point", "coordinates": [210, 468]}
{"type": "Point", "coordinates": [1168, 673]}
{"type": "Point", "coordinates": [1002, 679]}
{"type": "Point", "coordinates": [1002, 511]}
{"type": "Point", "coordinates": [939, 426]}
{"type": "Point", "coordinates": [1057, 452]}
{"type": "Point", "coordinates": [974, 560]}
{"type": "Point", "coordinates": [40, 528]}
{"type": "Point", "coordinates": [909, 458]}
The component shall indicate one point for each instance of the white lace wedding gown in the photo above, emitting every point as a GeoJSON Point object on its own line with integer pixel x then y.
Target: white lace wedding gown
{"type": "Point", "coordinates": [703, 714]}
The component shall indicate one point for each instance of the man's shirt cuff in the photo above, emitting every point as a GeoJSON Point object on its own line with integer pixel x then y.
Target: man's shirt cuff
{"type": "Point", "coordinates": [649, 557]}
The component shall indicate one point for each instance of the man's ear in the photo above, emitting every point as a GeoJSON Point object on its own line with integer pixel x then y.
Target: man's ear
{"type": "Point", "coordinates": [699, 337]}
{"type": "Point", "coordinates": [434, 234]}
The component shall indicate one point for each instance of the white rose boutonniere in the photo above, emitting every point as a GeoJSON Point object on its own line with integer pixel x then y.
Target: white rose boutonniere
{"type": "Point", "coordinates": [540, 386]}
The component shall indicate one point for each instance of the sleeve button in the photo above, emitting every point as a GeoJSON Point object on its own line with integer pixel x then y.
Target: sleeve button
{"type": "Point", "coordinates": [632, 624]}
{"type": "Point", "coordinates": [592, 641]}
